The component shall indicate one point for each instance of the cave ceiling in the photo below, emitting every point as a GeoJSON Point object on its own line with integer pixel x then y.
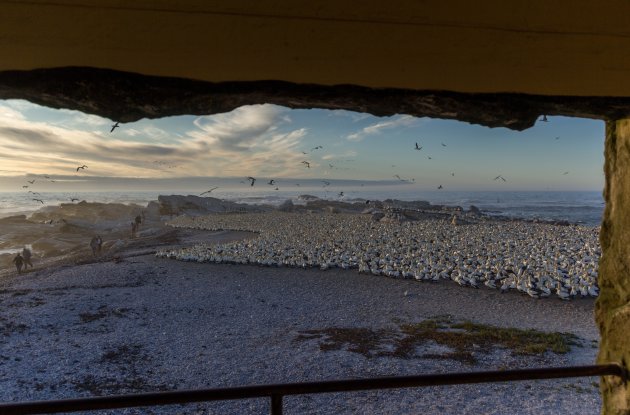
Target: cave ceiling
{"type": "Point", "coordinates": [127, 97]}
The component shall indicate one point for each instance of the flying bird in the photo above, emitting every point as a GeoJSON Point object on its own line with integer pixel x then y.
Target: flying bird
{"type": "Point", "coordinates": [46, 177]}
{"type": "Point", "coordinates": [25, 186]}
{"type": "Point", "coordinates": [307, 164]}
{"type": "Point", "coordinates": [443, 145]}
{"type": "Point", "coordinates": [252, 180]}
{"type": "Point", "coordinates": [557, 138]}
{"type": "Point", "coordinates": [440, 187]}
{"type": "Point", "coordinates": [39, 200]}
{"type": "Point", "coordinates": [565, 173]}
{"type": "Point", "coordinates": [340, 194]}
{"type": "Point", "coordinates": [304, 152]}
{"type": "Point", "coordinates": [114, 127]}
{"type": "Point", "coordinates": [271, 182]}
{"type": "Point", "coordinates": [209, 191]}
{"type": "Point", "coordinates": [316, 148]}
{"type": "Point", "coordinates": [31, 181]}
{"type": "Point", "coordinates": [453, 174]}
{"type": "Point", "coordinates": [418, 147]}
{"type": "Point", "coordinates": [429, 157]}
{"type": "Point", "coordinates": [82, 167]}
{"type": "Point", "coordinates": [35, 193]}
{"type": "Point", "coordinates": [398, 177]}
{"type": "Point", "coordinates": [74, 199]}
{"type": "Point", "coordinates": [500, 177]}
{"type": "Point", "coordinates": [277, 188]}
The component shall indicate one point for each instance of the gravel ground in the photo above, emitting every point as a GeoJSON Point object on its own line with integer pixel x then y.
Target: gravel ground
{"type": "Point", "coordinates": [147, 324]}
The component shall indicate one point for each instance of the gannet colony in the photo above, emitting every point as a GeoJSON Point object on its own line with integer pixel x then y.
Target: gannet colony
{"type": "Point", "coordinates": [537, 259]}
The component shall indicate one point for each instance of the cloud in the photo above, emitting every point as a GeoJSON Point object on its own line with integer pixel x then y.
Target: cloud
{"type": "Point", "coordinates": [25, 138]}
{"type": "Point", "coordinates": [354, 116]}
{"type": "Point", "coordinates": [7, 112]}
{"type": "Point", "coordinates": [240, 129]}
{"type": "Point", "coordinates": [374, 129]}
{"type": "Point", "coordinates": [245, 142]}
{"type": "Point", "coordinates": [89, 119]}
{"type": "Point", "coordinates": [150, 132]}
{"type": "Point", "coordinates": [248, 140]}
{"type": "Point", "coordinates": [349, 153]}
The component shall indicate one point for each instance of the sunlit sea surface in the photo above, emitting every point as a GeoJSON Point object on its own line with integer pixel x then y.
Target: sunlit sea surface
{"type": "Point", "coordinates": [585, 207]}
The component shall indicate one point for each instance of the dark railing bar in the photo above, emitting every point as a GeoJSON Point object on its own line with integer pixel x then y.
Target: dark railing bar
{"type": "Point", "coordinates": [276, 404]}
{"type": "Point", "coordinates": [277, 391]}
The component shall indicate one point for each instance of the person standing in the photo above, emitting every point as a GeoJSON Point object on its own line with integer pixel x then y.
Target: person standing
{"type": "Point", "coordinates": [94, 245]}
{"type": "Point", "coordinates": [18, 261]}
{"type": "Point", "coordinates": [26, 257]}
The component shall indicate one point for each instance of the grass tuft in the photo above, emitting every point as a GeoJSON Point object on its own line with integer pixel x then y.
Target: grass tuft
{"type": "Point", "coordinates": [465, 340]}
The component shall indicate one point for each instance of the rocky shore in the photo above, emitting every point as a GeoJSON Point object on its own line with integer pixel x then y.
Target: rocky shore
{"type": "Point", "coordinates": [148, 324]}
{"type": "Point", "coordinates": [131, 322]}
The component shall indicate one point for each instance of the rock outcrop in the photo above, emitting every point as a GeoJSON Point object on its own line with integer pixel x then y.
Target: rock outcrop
{"type": "Point", "coordinates": [127, 97]}
{"type": "Point", "coordinates": [612, 310]}
{"type": "Point", "coordinates": [195, 205]}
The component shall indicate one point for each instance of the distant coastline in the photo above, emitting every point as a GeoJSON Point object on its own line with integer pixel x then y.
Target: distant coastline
{"type": "Point", "coordinates": [584, 207]}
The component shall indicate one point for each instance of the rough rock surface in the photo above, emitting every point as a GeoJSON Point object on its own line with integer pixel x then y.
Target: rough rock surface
{"type": "Point", "coordinates": [196, 205]}
{"type": "Point", "coordinates": [613, 305]}
{"type": "Point", "coordinates": [127, 97]}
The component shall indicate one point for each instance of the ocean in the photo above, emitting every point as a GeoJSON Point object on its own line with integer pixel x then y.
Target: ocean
{"type": "Point", "coordinates": [584, 207]}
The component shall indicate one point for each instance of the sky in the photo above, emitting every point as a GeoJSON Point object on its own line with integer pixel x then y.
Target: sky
{"type": "Point", "coordinates": [273, 142]}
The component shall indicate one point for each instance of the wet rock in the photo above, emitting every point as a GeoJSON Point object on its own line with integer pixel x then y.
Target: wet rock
{"type": "Point", "coordinates": [474, 211]}
{"type": "Point", "coordinates": [286, 206]}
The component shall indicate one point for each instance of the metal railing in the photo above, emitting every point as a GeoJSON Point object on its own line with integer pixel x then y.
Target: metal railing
{"type": "Point", "coordinates": [278, 391]}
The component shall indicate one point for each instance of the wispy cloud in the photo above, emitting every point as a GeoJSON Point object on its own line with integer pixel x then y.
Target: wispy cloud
{"type": "Point", "coordinates": [248, 140]}
{"type": "Point", "coordinates": [8, 112]}
{"type": "Point", "coordinates": [354, 116]}
{"type": "Point", "coordinates": [377, 128]}
{"type": "Point", "coordinates": [242, 142]}
{"type": "Point", "coordinates": [150, 132]}
{"type": "Point", "coordinates": [346, 154]}
{"type": "Point", "coordinates": [239, 130]}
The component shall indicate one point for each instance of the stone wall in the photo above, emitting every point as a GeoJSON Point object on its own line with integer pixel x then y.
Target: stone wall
{"type": "Point", "coordinates": [613, 305]}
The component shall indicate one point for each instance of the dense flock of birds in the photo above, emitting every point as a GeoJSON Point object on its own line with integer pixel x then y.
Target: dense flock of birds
{"type": "Point", "coordinates": [539, 260]}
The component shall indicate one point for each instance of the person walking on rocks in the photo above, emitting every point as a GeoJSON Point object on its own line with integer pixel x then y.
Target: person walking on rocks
{"type": "Point", "coordinates": [18, 261]}
{"type": "Point", "coordinates": [26, 256]}
{"type": "Point", "coordinates": [134, 228]}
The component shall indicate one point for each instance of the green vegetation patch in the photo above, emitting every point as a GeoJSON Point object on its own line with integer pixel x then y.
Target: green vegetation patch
{"type": "Point", "coordinates": [464, 340]}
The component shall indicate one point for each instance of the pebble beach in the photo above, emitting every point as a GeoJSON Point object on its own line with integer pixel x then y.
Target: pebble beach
{"type": "Point", "coordinates": [236, 298]}
{"type": "Point", "coordinates": [147, 324]}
